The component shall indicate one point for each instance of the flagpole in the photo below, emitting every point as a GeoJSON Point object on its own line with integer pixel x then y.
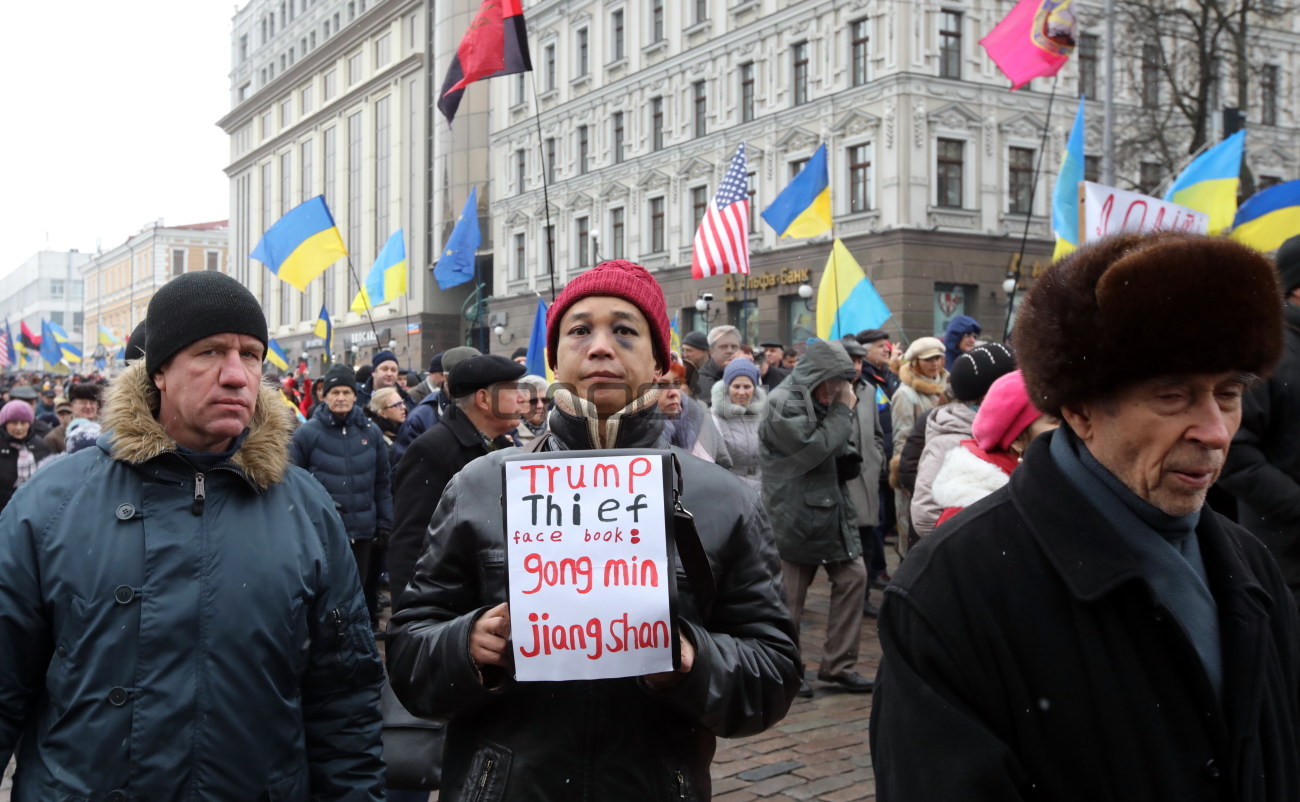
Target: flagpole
{"type": "Point", "coordinates": [546, 192]}
{"type": "Point", "coordinates": [360, 287]}
{"type": "Point", "coordinates": [1029, 213]}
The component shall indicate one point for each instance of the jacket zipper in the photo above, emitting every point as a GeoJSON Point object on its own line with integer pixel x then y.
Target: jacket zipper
{"type": "Point", "coordinates": [483, 779]}
{"type": "Point", "coordinates": [200, 494]}
{"type": "Point", "coordinates": [681, 785]}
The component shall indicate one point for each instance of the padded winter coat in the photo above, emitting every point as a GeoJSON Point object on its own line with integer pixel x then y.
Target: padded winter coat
{"type": "Point", "coordinates": [947, 426]}
{"type": "Point", "coordinates": [176, 635]}
{"type": "Point", "coordinates": [349, 458]}
{"type": "Point", "coordinates": [738, 428]}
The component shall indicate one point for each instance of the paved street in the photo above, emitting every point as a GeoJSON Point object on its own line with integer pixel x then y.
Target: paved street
{"type": "Point", "coordinates": [818, 752]}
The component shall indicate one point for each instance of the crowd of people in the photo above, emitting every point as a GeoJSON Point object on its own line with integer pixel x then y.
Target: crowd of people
{"type": "Point", "coordinates": [191, 608]}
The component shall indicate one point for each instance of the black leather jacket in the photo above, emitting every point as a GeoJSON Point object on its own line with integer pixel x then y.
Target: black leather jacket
{"type": "Point", "coordinates": [599, 740]}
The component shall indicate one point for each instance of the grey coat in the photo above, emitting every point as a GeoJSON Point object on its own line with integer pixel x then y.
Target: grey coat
{"type": "Point", "coordinates": [738, 428]}
{"type": "Point", "coordinates": [864, 491]}
{"type": "Point", "coordinates": [801, 441]}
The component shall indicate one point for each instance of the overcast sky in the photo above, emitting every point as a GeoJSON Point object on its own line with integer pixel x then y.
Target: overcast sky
{"type": "Point", "coordinates": [111, 112]}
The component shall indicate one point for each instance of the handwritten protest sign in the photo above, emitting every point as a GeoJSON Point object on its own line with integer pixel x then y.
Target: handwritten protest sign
{"type": "Point", "coordinates": [1106, 210]}
{"type": "Point", "coordinates": [590, 564]}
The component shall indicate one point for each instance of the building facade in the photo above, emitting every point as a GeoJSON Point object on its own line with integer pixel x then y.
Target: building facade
{"type": "Point", "coordinates": [120, 282]}
{"type": "Point", "coordinates": [47, 286]}
{"type": "Point", "coordinates": [937, 171]}
{"type": "Point", "coordinates": [335, 98]}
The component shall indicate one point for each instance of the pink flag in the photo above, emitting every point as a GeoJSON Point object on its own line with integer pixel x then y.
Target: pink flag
{"type": "Point", "coordinates": [1034, 40]}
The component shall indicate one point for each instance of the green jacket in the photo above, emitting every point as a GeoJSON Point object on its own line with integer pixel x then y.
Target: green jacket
{"type": "Point", "coordinates": [801, 441]}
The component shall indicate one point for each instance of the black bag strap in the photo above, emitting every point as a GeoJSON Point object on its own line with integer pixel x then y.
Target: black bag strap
{"type": "Point", "coordinates": [694, 558]}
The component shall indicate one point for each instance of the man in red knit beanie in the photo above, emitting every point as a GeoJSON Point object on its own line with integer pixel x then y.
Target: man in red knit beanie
{"type": "Point", "coordinates": [449, 649]}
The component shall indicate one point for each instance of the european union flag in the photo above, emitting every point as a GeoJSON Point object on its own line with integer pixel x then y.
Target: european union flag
{"type": "Point", "coordinates": [456, 263]}
{"type": "Point", "coordinates": [302, 244]}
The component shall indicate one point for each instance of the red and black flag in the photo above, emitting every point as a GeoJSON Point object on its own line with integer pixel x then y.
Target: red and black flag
{"type": "Point", "coordinates": [495, 44]}
{"type": "Point", "coordinates": [30, 341]}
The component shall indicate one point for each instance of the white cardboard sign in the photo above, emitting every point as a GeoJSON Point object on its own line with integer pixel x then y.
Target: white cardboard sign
{"type": "Point", "coordinates": [589, 564]}
{"type": "Point", "coordinates": [1107, 210]}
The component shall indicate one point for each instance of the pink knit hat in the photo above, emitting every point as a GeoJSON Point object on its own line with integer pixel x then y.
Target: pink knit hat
{"type": "Point", "coordinates": [16, 410]}
{"type": "Point", "coordinates": [1004, 413]}
{"type": "Point", "coordinates": [618, 278]}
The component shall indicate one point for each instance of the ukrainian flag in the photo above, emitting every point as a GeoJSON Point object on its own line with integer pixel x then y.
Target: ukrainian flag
{"type": "Point", "coordinates": [674, 338]}
{"type": "Point", "coordinates": [1065, 197]}
{"type": "Point", "coordinates": [1209, 183]}
{"type": "Point", "coordinates": [535, 362]}
{"type": "Point", "coordinates": [276, 355]}
{"type": "Point", "coordinates": [803, 209]}
{"type": "Point", "coordinates": [302, 244]}
{"type": "Point", "coordinates": [387, 279]}
{"type": "Point", "coordinates": [847, 301]}
{"type": "Point", "coordinates": [1269, 218]}
{"type": "Point", "coordinates": [325, 330]}
{"type": "Point", "coordinates": [67, 351]}
{"type": "Point", "coordinates": [106, 336]}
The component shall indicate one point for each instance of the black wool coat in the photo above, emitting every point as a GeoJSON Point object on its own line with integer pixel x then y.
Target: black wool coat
{"type": "Point", "coordinates": [1025, 657]}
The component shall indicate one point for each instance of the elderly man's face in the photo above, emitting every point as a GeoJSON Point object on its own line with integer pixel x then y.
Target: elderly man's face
{"type": "Point", "coordinates": [1165, 438]}
{"type": "Point", "coordinates": [209, 390]}
{"type": "Point", "coordinates": [87, 408]}
{"type": "Point", "coordinates": [694, 355]}
{"type": "Point", "coordinates": [605, 352]}
{"type": "Point", "coordinates": [724, 348]}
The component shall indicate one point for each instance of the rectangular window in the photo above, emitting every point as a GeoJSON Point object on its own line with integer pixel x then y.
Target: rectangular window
{"type": "Point", "coordinates": [1020, 182]}
{"type": "Point", "coordinates": [1088, 65]}
{"type": "Point", "coordinates": [286, 181]}
{"type": "Point", "coordinates": [243, 48]}
{"type": "Point", "coordinates": [268, 125]}
{"type": "Point", "coordinates": [354, 69]}
{"type": "Point", "coordinates": [305, 100]}
{"type": "Point", "coordinates": [617, 34]}
{"type": "Point", "coordinates": [548, 60]}
{"type": "Point", "coordinates": [330, 165]}
{"type": "Point", "coordinates": [700, 104]}
{"type": "Point", "coordinates": [753, 201]}
{"type": "Point", "coordinates": [521, 87]}
{"type": "Point", "coordinates": [584, 242]}
{"type": "Point", "coordinates": [286, 112]}
{"type": "Point", "coordinates": [520, 264]}
{"type": "Point", "coordinates": [950, 44]}
{"type": "Point", "coordinates": [214, 260]}
{"type": "Point", "coordinates": [949, 166]}
{"type": "Point", "coordinates": [331, 85]}
{"type": "Point", "coordinates": [1151, 76]}
{"type": "Point", "coordinates": [1092, 168]}
{"type": "Point", "coordinates": [747, 92]}
{"type": "Point", "coordinates": [656, 225]}
{"type": "Point", "coordinates": [383, 167]}
{"type": "Point", "coordinates": [584, 53]}
{"type": "Point", "coordinates": [950, 300]}
{"type": "Point", "coordinates": [546, 266]}
{"type": "Point", "coordinates": [797, 166]}
{"type": "Point", "coordinates": [178, 267]}
{"type": "Point", "coordinates": [1149, 177]}
{"type": "Point", "coordinates": [306, 181]}
{"type": "Point", "coordinates": [354, 194]}
{"type": "Point", "coordinates": [584, 148]}
{"type": "Point", "coordinates": [617, 235]}
{"type": "Point", "coordinates": [656, 20]}
{"type": "Point", "coordinates": [550, 159]}
{"type": "Point", "coordinates": [1268, 94]}
{"type": "Point", "coordinates": [699, 205]}
{"type": "Point", "coordinates": [859, 178]}
{"type": "Point", "coordinates": [859, 43]}
{"type": "Point", "coordinates": [383, 50]}
{"type": "Point", "coordinates": [656, 123]}
{"type": "Point", "coordinates": [800, 78]}
{"type": "Point", "coordinates": [701, 11]}
{"type": "Point", "coordinates": [521, 170]}
{"type": "Point", "coordinates": [617, 145]}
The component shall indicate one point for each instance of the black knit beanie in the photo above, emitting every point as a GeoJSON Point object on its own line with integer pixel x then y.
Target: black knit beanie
{"type": "Point", "coordinates": [975, 371]}
{"type": "Point", "coordinates": [339, 375]}
{"type": "Point", "coordinates": [136, 342]}
{"type": "Point", "coordinates": [197, 305]}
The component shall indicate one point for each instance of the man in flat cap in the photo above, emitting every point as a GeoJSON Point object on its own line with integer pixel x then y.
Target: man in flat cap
{"type": "Point", "coordinates": [1093, 630]}
{"type": "Point", "coordinates": [770, 367]}
{"type": "Point", "coordinates": [180, 611]}
{"type": "Point", "coordinates": [485, 406]}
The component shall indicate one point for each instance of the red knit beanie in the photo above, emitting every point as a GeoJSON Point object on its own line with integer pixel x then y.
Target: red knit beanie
{"type": "Point", "coordinates": [620, 279]}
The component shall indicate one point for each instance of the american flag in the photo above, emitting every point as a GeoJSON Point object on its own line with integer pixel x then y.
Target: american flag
{"type": "Point", "coordinates": [722, 240]}
{"type": "Point", "coordinates": [6, 349]}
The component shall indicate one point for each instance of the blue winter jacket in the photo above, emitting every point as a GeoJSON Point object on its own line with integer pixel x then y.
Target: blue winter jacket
{"type": "Point", "coordinates": [169, 634]}
{"type": "Point", "coordinates": [958, 327]}
{"type": "Point", "coordinates": [349, 458]}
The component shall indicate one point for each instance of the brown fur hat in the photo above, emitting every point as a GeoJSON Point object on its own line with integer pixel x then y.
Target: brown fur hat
{"type": "Point", "coordinates": [1135, 306]}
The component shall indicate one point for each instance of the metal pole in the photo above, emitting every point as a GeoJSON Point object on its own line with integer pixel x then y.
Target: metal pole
{"type": "Point", "coordinates": [546, 192]}
{"type": "Point", "coordinates": [1108, 128]}
{"type": "Point", "coordinates": [1029, 215]}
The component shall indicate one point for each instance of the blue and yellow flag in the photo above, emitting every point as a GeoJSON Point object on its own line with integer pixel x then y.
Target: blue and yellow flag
{"type": "Point", "coordinates": [1065, 197]}
{"type": "Point", "coordinates": [803, 209]}
{"type": "Point", "coordinates": [456, 262]}
{"type": "Point", "coordinates": [302, 244]}
{"type": "Point", "coordinates": [325, 330]}
{"type": "Point", "coordinates": [1209, 183]}
{"type": "Point", "coordinates": [387, 278]}
{"type": "Point", "coordinates": [56, 345]}
{"type": "Point", "coordinates": [674, 336]}
{"type": "Point", "coordinates": [1269, 218]}
{"type": "Point", "coordinates": [535, 362]}
{"type": "Point", "coordinates": [276, 355]}
{"type": "Point", "coordinates": [847, 301]}
{"type": "Point", "coordinates": [106, 336]}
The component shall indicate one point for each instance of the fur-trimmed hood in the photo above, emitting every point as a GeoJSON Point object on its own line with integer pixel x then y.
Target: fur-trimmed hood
{"type": "Point", "coordinates": [135, 436]}
{"type": "Point", "coordinates": [923, 385]}
{"type": "Point", "coordinates": [724, 408]}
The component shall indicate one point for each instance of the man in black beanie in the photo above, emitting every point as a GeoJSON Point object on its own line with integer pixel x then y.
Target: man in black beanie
{"type": "Point", "coordinates": [1263, 468]}
{"type": "Point", "coordinates": [217, 635]}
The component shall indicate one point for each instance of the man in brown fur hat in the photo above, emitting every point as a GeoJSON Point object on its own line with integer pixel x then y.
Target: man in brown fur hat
{"type": "Point", "coordinates": [1092, 630]}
